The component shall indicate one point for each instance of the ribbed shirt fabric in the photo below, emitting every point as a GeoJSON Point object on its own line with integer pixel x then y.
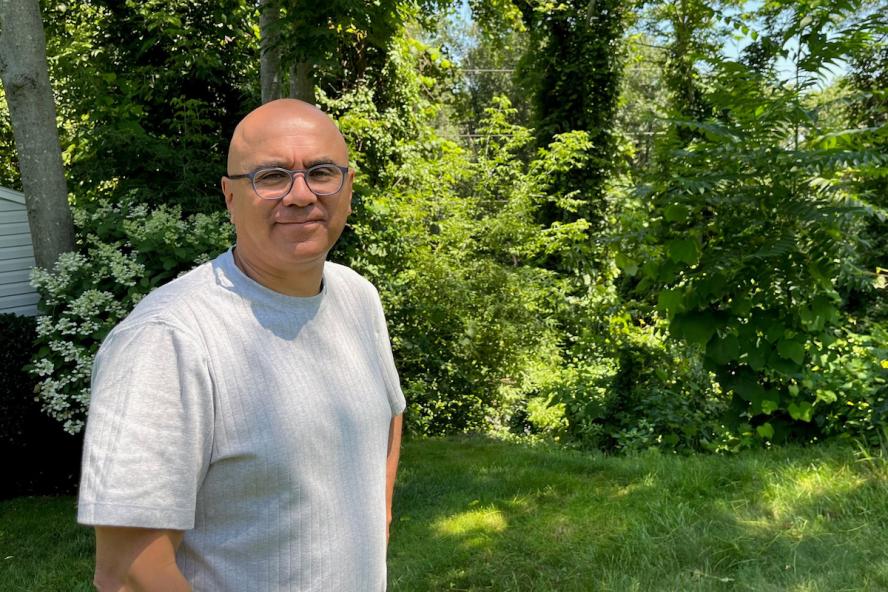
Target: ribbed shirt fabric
{"type": "Point", "coordinates": [254, 421]}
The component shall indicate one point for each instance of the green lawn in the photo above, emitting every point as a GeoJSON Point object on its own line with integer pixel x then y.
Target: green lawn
{"type": "Point", "coordinates": [478, 514]}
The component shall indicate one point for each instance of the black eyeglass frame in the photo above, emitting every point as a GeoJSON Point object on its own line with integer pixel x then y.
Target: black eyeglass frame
{"type": "Point", "coordinates": [293, 172]}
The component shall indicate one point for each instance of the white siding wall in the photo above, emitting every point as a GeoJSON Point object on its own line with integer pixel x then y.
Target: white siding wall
{"type": "Point", "coordinates": [16, 255]}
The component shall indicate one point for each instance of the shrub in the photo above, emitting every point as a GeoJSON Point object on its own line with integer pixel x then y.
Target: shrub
{"type": "Point", "coordinates": [448, 237]}
{"type": "Point", "coordinates": [125, 251]}
{"type": "Point", "coordinates": [38, 456]}
{"type": "Point", "coordinates": [850, 379]}
{"type": "Point", "coordinates": [638, 390]}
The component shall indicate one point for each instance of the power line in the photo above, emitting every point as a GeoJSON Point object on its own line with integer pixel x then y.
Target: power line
{"type": "Point", "coordinates": [486, 69]}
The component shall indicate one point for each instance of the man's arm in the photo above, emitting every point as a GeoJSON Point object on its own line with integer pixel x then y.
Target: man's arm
{"type": "Point", "coordinates": [391, 468]}
{"type": "Point", "coordinates": [138, 560]}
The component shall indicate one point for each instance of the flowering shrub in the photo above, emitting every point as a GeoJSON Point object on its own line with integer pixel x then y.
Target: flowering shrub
{"type": "Point", "coordinates": [125, 251]}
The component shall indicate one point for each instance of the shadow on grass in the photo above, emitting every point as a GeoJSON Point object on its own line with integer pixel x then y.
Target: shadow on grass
{"type": "Point", "coordinates": [476, 514]}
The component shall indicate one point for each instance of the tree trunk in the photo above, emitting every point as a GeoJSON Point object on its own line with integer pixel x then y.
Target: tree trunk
{"type": "Point", "coordinates": [25, 76]}
{"type": "Point", "coordinates": [302, 82]}
{"type": "Point", "coordinates": [269, 51]}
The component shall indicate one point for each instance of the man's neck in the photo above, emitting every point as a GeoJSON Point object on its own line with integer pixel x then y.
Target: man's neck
{"type": "Point", "coordinates": [304, 282]}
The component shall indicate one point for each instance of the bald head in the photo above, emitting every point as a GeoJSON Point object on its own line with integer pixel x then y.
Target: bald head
{"type": "Point", "coordinates": [281, 119]}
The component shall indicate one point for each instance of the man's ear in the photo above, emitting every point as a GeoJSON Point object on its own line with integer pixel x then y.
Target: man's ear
{"type": "Point", "coordinates": [351, 186]}
{"type": "Point", "coordinates": [225, 183]}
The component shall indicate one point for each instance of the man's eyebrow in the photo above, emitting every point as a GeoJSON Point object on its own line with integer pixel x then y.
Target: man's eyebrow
{"type": "Point", "coordinates": [279, 164]}
{"type": "Point", "coordinates": [319, 160]}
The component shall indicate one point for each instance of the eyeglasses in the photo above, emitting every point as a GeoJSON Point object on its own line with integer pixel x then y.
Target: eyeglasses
{"type": "Point", "coordinates": [275, 183]}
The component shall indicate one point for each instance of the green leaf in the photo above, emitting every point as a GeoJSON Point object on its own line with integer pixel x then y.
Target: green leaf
{"type": "Point", "coordinates": [766, 430]}
{"type": "Point", "coordinates": [775, 331]}
{"type": "Point", "coordinates": [627, 264]}
{"type": "Point", "coordinates": [780, 364]}
{"type": "Point", "coordinates": [791, 350]}
{"type": "Point", "coordinates": [745, 385]}
{"type": "Point", "coordinates": [741, 306]}
{"type": "Point", "coordinates": [723, 349]}
{"type": "Point", "coordinates": [770, 402]}
{"type": "Point", "coordinates": [676, 212]}
{"type": "Point", "coordinates": [669, 302]}
{"type": "Point", "coordinates": [684, 250]}
{"type": "Point", "coordinates": [800, 411]}
{"type": "Point", "coordinates": [757, 356]}
{"type": "Point", "coordinates": [695, 327]}
{"type": "Point", "coordinates": [826, 395]}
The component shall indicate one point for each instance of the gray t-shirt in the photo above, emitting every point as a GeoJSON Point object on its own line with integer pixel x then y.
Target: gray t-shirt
{"type": "Point", "coordinates": [256, 422]}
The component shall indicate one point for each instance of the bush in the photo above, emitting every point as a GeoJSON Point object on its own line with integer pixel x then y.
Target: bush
{"type": "Point", "coordinates": [850, 379]}
{"type": "Point", "coordinates": [448, 238]}
{"type": "Point", "coordinates": [39, 458]}
{"type": "Point", "coordinates": [126, 250]}
{"type": "Point", "coordinates": [640, 390]}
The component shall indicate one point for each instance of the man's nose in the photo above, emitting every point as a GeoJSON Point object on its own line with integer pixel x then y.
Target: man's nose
{"type": "Point", "coordinates": [299, 194]}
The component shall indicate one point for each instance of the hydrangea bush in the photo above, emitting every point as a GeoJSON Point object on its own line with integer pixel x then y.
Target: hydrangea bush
{"type": "Point", "coordinates": [124, 251]}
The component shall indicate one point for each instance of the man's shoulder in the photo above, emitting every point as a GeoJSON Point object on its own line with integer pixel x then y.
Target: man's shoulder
{"type": "Point", "coordinates": [174, 303]}
{"type": "Point", "coordinates": [344, 275]}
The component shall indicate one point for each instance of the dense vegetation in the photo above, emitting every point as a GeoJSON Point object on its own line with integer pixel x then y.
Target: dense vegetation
{"type": "Point", "coordinates": [626, 236]}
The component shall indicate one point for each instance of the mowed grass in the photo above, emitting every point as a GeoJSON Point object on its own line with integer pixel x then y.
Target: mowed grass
{"type": "Point", "coordinates": [477, 514]}
{"type": "Point", "coordinates": [480, 514]}
{"type": "Point", "coordinates": [41, 547]}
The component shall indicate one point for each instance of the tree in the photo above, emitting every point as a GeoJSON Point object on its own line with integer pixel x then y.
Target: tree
{"type": "Point", "coordinates": [25, 76]}
{"type": "Point", "coordinates": [269, 51]}
{"type": "Point", "coordinates": [758, 214]}
{"type": "Point", "coordinates": [148, 92]}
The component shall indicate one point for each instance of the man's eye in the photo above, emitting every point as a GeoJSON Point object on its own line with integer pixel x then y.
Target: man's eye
{"type": "Point", "coordinates": [272, 178]}
{"type": "Point", "coordinates": [322, 174]}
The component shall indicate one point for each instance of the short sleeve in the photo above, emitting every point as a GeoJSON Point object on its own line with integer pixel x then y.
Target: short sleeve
{"type": "Point", "coordinates": [149, 430]}
{"type": "Point", "coordinates": [384, 347]}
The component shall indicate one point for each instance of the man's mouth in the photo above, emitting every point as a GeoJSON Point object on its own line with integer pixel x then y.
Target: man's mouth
{"type": "Point", "coordinates": [310, 221]}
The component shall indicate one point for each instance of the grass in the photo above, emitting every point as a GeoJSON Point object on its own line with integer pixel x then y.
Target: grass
{"type": "Point", "coordinates": [41, 547]}
{"type": "Point", "coordinates": [483, 515]}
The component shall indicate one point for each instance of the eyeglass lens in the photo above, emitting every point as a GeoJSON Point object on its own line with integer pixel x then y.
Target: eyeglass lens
{"type": "Point", "coordinates": [321, 180]}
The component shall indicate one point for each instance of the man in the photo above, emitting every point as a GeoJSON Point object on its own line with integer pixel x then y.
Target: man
{"type": "Point", "coordinates": [244, 426]}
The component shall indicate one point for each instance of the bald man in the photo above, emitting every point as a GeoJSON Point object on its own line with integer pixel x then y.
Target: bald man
{"type": "Point", "coordinates": [245, 418]}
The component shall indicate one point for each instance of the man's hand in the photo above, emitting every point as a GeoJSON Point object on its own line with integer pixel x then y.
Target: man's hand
{"type": "Point", "coordinates": [391, 468]}
{"type": "Point", "coordinates": [138, 560]}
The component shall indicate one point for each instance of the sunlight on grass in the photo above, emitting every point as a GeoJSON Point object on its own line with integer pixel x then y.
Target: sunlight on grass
{"type": "Point", "coordinates": [474, 526]}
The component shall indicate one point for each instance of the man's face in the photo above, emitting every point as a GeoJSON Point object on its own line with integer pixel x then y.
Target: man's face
{"type": "Point", "coordinates": [294, 232]}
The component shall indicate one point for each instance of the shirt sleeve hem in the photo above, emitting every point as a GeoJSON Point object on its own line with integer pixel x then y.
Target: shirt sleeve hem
{"type": "Point", "coordinates": [105, 514]}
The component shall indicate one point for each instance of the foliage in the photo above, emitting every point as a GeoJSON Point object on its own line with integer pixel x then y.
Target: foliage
{"type": "Point", "coordinates": [144, 89]}
{"type": "Point", "coordinates": [9, 173]}
{"type": "Point", "coordinates": [126, 250]}
{"type": "Point", "coordinates": [572, 67]}
{"type": "Point", "coordinates": [487, 54]}
{"type": "Point", "coordinates": [644, 99]}
{"type": "Point", "coordinates": [348, 44]}
{"type": "Point", "coordinates": [852, 374]}
{"type": "Point", "coordinates": [715, 283]}
{"type": "Point", "coordinates": [656, 394]}
{"type": "Point", "coordinates": [15, 384]}
{"type": "Point", "coordinates": [39, 458]}
{"type": "Point", "coordinates": [466, 308]}
{"type": "Point", "coordinates": [750, 244]}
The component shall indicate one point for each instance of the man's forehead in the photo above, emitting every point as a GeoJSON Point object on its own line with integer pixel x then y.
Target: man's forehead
{"type": "Point", "coordinates": [286, 122]}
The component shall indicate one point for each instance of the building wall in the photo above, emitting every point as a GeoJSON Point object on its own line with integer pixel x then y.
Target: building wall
{"type": "Point", "coordinates": [16, 256]}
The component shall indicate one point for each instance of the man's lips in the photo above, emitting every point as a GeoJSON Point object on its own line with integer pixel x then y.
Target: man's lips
{"type": "Point", "coordinates": [309, 221]}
